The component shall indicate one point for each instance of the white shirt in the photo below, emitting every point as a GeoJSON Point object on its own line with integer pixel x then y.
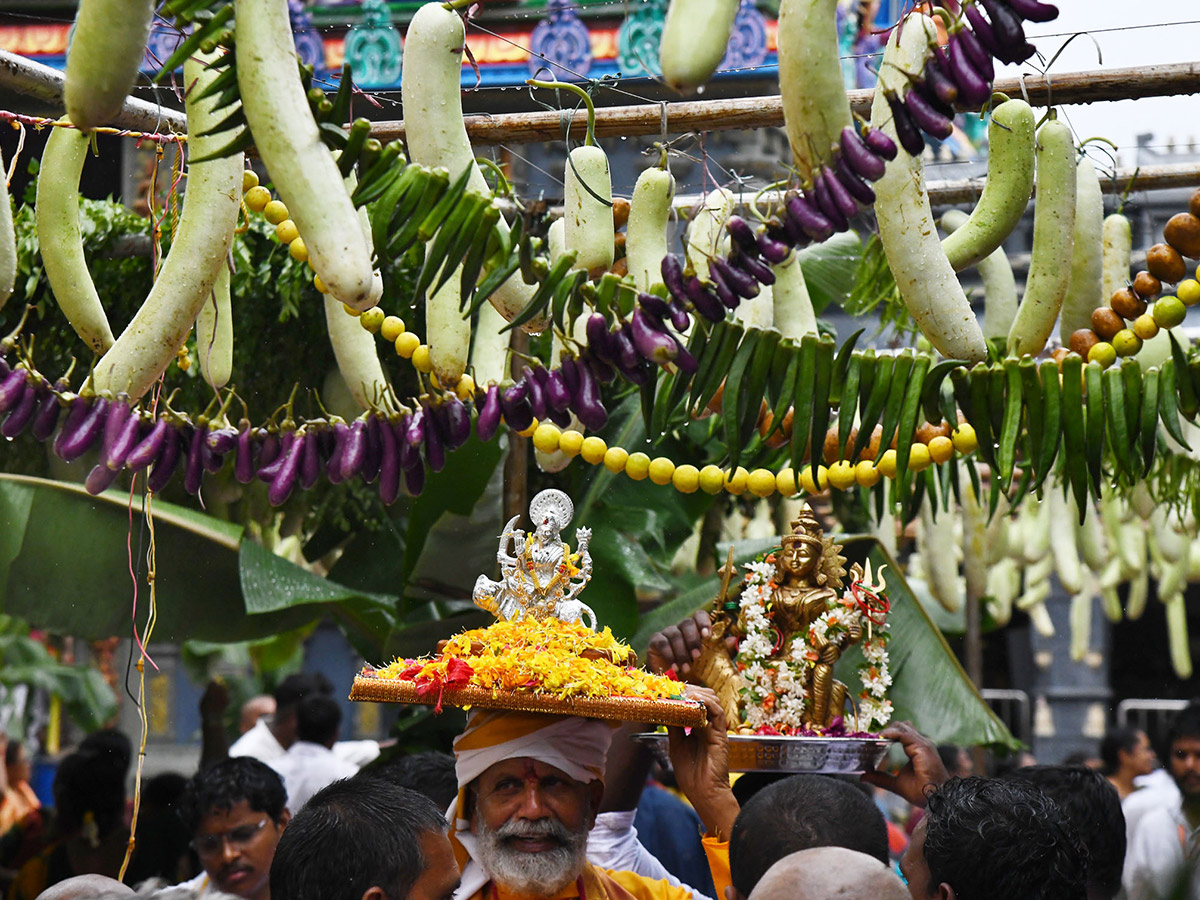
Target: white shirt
{"type": "Point", "coordinates": [613, 844]}
{"type": "Point", "coordinates": [260, 743]}
{"type": "Point", "coordinates": [200, 886]}
{"type": "Point", "coordinates": [1165, 849]}
{"type": "Point", "coordinates": [306, 768]}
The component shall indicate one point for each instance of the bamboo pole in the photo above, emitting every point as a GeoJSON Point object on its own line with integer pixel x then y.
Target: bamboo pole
{"type": "Point", "coordinates": [767, 112]}
{"type": "Point", "coordinates": [31, 79]}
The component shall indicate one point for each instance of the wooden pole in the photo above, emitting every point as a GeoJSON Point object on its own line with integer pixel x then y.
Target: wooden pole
{"type": "Point", "coordinates": [31, 79]}
{"type": "Point", "coordinates": [767, 112]}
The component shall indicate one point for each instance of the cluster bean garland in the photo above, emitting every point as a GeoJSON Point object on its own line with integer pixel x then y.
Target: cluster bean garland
{"type": "Point", "coordinates": [787, 412]}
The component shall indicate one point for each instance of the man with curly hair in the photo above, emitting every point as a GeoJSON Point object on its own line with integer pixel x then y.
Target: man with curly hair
{"type": "Point", "coordinates": [990, 839]}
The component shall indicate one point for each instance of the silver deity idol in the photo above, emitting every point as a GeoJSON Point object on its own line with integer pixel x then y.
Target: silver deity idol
{"type": "Point", "coordinates": [541, 577]}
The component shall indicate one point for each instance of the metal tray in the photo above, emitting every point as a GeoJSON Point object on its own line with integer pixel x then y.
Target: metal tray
{"type": "Point", "coordinates": [814, 755]}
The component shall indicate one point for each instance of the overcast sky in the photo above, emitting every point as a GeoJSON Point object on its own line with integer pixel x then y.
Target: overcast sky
{"type": "Point", "coordinates": [1169, 117]}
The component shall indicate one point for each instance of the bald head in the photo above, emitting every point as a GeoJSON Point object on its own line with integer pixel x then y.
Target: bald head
{"type": "Point", "coordinates": [829, 873]}
{"type": "Point", "coordinates": [86, 887]}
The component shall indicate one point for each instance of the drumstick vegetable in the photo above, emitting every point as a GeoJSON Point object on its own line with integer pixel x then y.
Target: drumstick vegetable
{"type": "Point", "coordinates": [1053, 240]}
{"type": "Point", "coordinates": [923, 274]}
{"type": "Point", "coordinates": [1084, 290]}
{"type": "Point", "coordinates": [210, 211]}
{"type": "Point", "coordinates": [694, 37]}
{"type": "Point", "coordinates": [304, 172]}
{"type": "Point", "coordinates": [1006, 191]}
{"type": "Point", "coordinates": [60, 241]}
{"type": "Point", "coordinates": [815, 108]}
{"type": "Point", "coordinates": [103, 59]}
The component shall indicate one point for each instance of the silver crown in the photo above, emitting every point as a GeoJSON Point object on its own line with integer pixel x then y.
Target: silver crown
{"type": "Point", "coordinates": [551, 504]}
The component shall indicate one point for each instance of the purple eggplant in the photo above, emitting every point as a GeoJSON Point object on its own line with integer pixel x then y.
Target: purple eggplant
{"type": "Point", "coordinates": [1034, 10]}
{"type": "Point", "coordinates": [569, 367]}
{"type": "Point", "coordinates": [931, 99]}
{"type": "Point", "coordinates": [5, 368]}
{"type": "Point", "coordinates": [680, 317]}
{"type": "Point", "coordinates": [772, 250]}
{"type": "Point", "coordinates": [243, 460]}
{"type": "Point", "coordinates": [222, 440]}
{"type": "Point", "coordinates": [193, 469]}
{"type": "Point", "coordinates": [458, 422]}
{"type": "Point", "coordinates": [209, 459]}
{"type": "Point", "coordinates": [906, 130]}
{"type": "Point", "coordinates": [1007, 27]}
{"type": "Point", "coordinates": [288, 473]}
{"type": "Point", "coordinates": [685, 362]}
{"type": "Point", "coordinates": [861, 159]}
{"type": "Point", "coordinates": [879, 143]}
{"type": "Point", "coordinates": [21, 413]}
{"type": "Point", "coordinates": [100, 478]}
{"type": "Point", "coordinates": [859, 189]}
{"type": "Point", "coordinates": [810, 219]}
{"type": "Point", "coordinates": [558, 397]}
{"type": "Point", "coordinates": [587, 404]}
{"type": "Point", "coordinates": [653, 344]}
{"type": "Point", "coordinates": [938, 80]}
{"type": "Point", "coordinates": [352, 450]}
{"type": "Point", "coordinates": [982, 29]}
{"type": "Point", "coordinates": [703, 300]}
{"type": "Point", "coordinates": [654, 306]}
{"type": "Point", "coordinates": [927, 118]}
{"type": "Point", "coordinates": [974, 89]}
{"type": "Point", "coordinates": [78, 409]}
{"type": "Point", "coordinates": [603, 372]}
{"type": "Point", "coordinates": [844, 200]}
{"type": "Point", "coordinates": [742, 284]}
{"type": "Point", "coordinates": [488, 419]}
{"type": "Point", "coordinates": [116, 452]}
{"type": "Point", "coordinates": [727, 295]}
{"type": "Point", "coordinates": [389, 465]}
{"type": "Point", "coordinates": [559, 417]}
{"type": "Point", "coordinates": [372, 448]}
{"type": "Point", "coordinates": [672, 273]}
{"type": "Point", "coordinates": [596, 329]}
{"type": "Point", "coordinates": [514, 401]}
{"type": "Point", "coordinates": [118, 415]}
{"type": "Point", "coordinates": [755, 268]}
{"type": "Point", "coordinates": [537, 397]}
{"type": "Point", "coordinates": [821, 196]}
{"type": "Point", "coordinates": [625, 354]}
{"type": "Point", "coordinates": [338, 431]}
{"type": "Point", "coordinates": [72, 446]}
{"type": "Point", "coordinates": [50, 407]}
{"type": "Point", "coordinates": [310, 458]}
{"type": "Point", "coordinates": [968, 42]}
{"type": "Point", "coordinates": [271, 445]}
{"type": "Point", "coordinates": [435, 445]}
{"type": "Point", "coordinates": [414, 478]}
{"type": "Point", "coordinates": [168, 460]}
{"type": "Point", "coordinates": [414, 433]}
{"type": "Point", "coordinates": [743, 234]}
{"type": "Point", "coordinates": [268, 470]}
{"type": "Point", "coordinates": [12, 389]}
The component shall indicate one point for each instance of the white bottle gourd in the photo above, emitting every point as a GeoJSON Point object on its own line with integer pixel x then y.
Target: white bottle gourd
{"type": "Point", "coordinates": [8, 241]}
{"type": "Point", "coordinates": [646, 230]}
{"type": "Point", "coordinates": [924, 276]}
{"type": "Point", "coordinates": [289, 143]}
{"type": "Point", "coordinates": [431, 92]}
{"type": "Point", "coordinates": [792, 310]}
{"type": "Point", "coordinates": [198, 253]}
{"type": "Point", "coordinates": [103, 60]}
{"type": "Point", "coordinates": [694, 39]}
{"type": "Point", "coordinates": [706, 236]}
{"type": "Point", "coordinates": [214, 334]}
{"type": "Point", "coordinates": [999, 283]}
{"type": "Point", "coordinates": [1085, 286]}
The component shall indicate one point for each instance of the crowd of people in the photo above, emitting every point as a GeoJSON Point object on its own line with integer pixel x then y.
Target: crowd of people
{"type": "Point", "coordinates": [563, 808]}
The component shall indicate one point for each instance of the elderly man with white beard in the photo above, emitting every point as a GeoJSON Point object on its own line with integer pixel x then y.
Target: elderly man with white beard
{"type": "Point", "coordinates": [529, 789]}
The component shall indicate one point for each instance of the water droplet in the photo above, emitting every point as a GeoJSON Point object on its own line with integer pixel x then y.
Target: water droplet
{"type": "Point", "coordinates": [700, 90]}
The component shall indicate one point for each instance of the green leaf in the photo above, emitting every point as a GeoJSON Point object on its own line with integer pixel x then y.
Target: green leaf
{"type": "Point", "coordinates": [829, 269]}
{"type": "Point", "coordinates": [271, 583]}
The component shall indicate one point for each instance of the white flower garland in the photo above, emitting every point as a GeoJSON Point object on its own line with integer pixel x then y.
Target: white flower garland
{"type": "Point", "coordinates": [775, 697]}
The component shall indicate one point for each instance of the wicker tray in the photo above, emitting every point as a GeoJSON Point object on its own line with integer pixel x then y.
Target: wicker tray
{"type": "Point", "coordinates": [686, 713]}
{"type": "Point", "coordinates": [815, 755]}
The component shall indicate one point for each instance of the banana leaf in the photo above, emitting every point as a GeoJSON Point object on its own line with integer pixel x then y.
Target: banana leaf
{"type": "Point", "coordinates": [65, 560]}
